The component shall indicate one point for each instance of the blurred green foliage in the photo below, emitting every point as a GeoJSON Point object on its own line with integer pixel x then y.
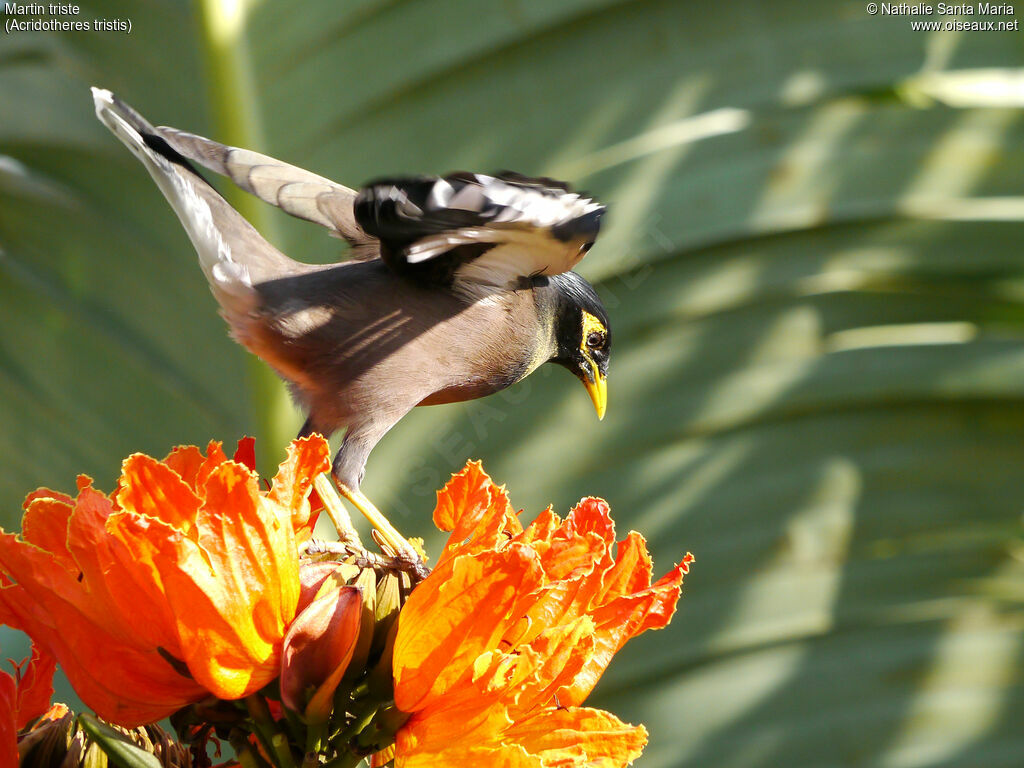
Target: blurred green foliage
{"type": "Point", "coordinates": [814, 270]}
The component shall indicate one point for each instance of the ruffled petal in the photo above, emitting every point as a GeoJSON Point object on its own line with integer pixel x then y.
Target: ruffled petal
{"type": "Point", "coordinates": [579, 737]}
{"type": "Point", "coordinates": [245, 453]}
{"type": "Point", "coordinates": [491, 756]}
{"type": "Point", "coordinates": [8, 715]}
{"type": "Point", "coordinates": [621, 619]}
{"type": "Point", "coordinates": [503, 641]}
{"type": "Point", "coordinates": [475, 510]}
{"type": "Point", "coordinates": [307, 458]}
{"type": "Point", "coordinates": [234, 592]}
{"type": "Point", "coordinates": [152, 489]}
{"type": "Point", "coordinates": [462, 610]}
{"type": "Point", "coordinates": [35, 688]}
{"type": "Point", "coordinates": [45, 525]}
{"type": "Point", "coordinates": [186, 461]}
{"type": "Point", "coordinates": [182, 585]}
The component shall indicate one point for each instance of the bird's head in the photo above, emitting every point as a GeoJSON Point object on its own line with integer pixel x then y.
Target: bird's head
{"type": "Point", "coordinates": [583, 337]}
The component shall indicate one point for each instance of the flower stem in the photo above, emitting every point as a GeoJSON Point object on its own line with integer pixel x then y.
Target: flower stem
{"type": "Point", "coordinates": [362, 716]}
{"type": "Point", "coordinates": [345, 760]}
{"type": "Point", "coordinates": [234, 100]}
{"type": "Point", "coordinates": [244, 753]}
{"type": "Point", "coordinates": [382, 730]}
{"type": "Point", "coordinates": [315, 735]}
{"type": "Point", "coordinates": [282, 750]}
{"type": "Point", "coordinates": [274, 741]}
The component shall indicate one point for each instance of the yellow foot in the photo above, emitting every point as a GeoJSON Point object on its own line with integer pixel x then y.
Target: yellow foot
{"type": "Point", "coordinates": [402, 549]}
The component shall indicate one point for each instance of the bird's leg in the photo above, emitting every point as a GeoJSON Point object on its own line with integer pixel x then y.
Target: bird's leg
{"type": "Point", "coordinates": [347, 471]}
{"type": "Point", "coordinates": [401, 548]}
{"type": "Point", "coordinates": [336, 510]}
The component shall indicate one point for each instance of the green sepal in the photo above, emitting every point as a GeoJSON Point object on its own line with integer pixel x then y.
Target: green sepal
{"type": "Point", "coordinates": [116, 746]}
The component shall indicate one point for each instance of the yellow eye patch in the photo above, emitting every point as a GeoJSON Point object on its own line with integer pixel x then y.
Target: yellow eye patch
{"type": "Point", "coordinates": [590, 325]}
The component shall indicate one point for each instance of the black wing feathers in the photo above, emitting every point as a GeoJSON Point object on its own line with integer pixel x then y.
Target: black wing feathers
{"type": "Point", "coordinates": [463, 216]}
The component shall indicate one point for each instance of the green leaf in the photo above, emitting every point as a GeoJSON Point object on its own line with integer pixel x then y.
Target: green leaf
{"type": "Point", "coordinates": [121, 751]}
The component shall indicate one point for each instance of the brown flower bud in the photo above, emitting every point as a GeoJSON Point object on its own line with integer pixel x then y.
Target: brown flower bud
{"type": "Point", "coordinates": [318, 648]}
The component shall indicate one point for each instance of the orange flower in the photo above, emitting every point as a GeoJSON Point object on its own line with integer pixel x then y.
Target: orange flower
{"type": "Point", "coordinates": [23, 697]}
{"type": "Point", "coordinates": [499, 646]}
{"type": "Point", "coordinates": [181, 583]}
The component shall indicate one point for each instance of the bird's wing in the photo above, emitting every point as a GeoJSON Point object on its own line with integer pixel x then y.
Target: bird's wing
{"type": "Point", "coordinates": [478, 232]}
{"type": "Point", "coordinates": [296, 191]}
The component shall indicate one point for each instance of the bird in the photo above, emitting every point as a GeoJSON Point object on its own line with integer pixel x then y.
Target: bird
{"type": "Point", "coordinates": [456, 286]}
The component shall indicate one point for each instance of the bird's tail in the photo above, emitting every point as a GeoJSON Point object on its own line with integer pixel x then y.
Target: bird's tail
{"type": "Point", "coordinates": [233, 255]}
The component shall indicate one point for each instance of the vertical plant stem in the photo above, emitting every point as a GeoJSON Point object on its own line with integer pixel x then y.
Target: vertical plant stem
{"type": "Point", "coordinates": [247, 757]}
{"type": "Point", "coordinates": [233, 98]}
{"type": "Point", "coordinates": [274, 741]}
{"type": "Point", "coordinates": [348, 760]}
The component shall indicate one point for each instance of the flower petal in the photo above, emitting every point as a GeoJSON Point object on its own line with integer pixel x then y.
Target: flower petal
{"type": "Point", "coordinates": [632, 569]}
{"type": "Point", "coordinates": [46, 493]}
{"type": "Point", "coordinates": [232, 593]}
{"type": "Point", "coordinates": [462, 610]}
{"type": "Point", "coordinates": [45, 524]}
{"type": "Point", "coordinates": [8, 715]}
{"type": "Point", "coordinates": [120, 680]}
{"type": "Point", "coordinates": [487, 668]}
{"type": "Point", "coordinates": [492, 756]}
{"type": "Point", "coordinates": [117, 584]}
{"type": "Point", "coordinates": [183, 588]}
{"type": "Point", "coordinates": [624, 617]}
{"type": "Point", "coordinates": [579, 736]}
{"type": "Point", "coordinates": [35, 686]}
{"type": "Point", "coordinates": [307, 457]}
{"type": "Point", "coordinates": [382, 758]}
{"type": "Point", "coordinates": [245, 453]}
{"type": "Point", "coordinates": [475, 510]}
{"type": "Point", "coordinates": [559, 655]}
{"type": "Point", "coordinates": [215, 456]}
{"type": "Point", "coordinates": [465, 717]}
{"type": "Point", "coordinates": [152, 489]}
{"type": "Point", "coordinates": [186, 461]}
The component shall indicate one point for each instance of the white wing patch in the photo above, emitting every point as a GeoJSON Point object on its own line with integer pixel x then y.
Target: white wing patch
{"type": "Point", "coordinates": [520, 229]}
{"type": "Point", "coordinates": [534, 226]}
{"type": "Point", "coordinates": [532, 206]}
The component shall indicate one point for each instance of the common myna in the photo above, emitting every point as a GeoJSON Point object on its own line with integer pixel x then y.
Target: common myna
{"type": "Point", "coordinates": [458, 286]}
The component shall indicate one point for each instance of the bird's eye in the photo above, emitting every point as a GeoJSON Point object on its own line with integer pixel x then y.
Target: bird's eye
{"type": "Point", "coordinates": [595, 339]}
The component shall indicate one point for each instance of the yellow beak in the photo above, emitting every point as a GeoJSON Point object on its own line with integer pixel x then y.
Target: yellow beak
{"type": "Point", "coordinates": [598, 391]}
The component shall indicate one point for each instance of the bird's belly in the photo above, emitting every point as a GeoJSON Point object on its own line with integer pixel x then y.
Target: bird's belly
{"type": "Point", "coordinates": [470, 390]}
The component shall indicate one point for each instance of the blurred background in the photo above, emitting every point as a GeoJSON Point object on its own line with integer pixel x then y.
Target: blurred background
{"type": "Point", "coordinates": [814, 269]}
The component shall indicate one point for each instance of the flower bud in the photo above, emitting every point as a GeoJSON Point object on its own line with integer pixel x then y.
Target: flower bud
{"type": "Point", "coordinates": [49, 740]}
{"type": "Point", "coordinates": [318, 648]}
